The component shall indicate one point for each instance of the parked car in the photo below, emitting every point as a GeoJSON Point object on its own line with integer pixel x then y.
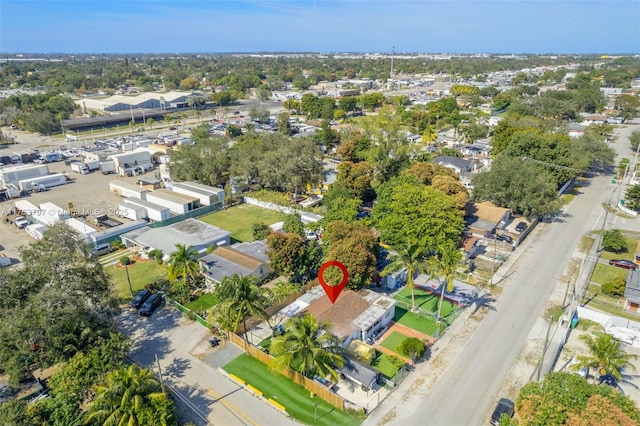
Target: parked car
{"type": "Point", "coordinates": [101, 249]}
{"type": "Point", "coordinates": [150, 305]}
{"type": "Point", "coordinates": [505, 238]}
{"type": "Point", "coordinates": [623, 263]}
{"type": "Point", "coordinates": [140, 298]}
{"type": "Point", "coordinates": [505, 406]}
{"type": "Point", "coordinates": [521, 226]}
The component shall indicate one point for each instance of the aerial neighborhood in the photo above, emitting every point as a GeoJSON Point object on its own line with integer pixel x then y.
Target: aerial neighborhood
{"type": "Point", "coordinates": [334, 239]}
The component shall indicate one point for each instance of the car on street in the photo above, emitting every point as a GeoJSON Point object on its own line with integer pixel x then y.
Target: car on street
{"type": "Point", "coordinates": [521, 226]}
{"type": "Point", "coordinates": [505, 406]}
{"type": "Point", "coordinates": [623, 263]}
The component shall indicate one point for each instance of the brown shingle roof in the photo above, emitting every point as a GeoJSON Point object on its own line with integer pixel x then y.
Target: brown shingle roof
{"type": "Point", "coordinates": [489, 211]}
{"type": "Point", "coordinates": [340, 315]}
{"type": "Point", "coordinates": [237, 257]}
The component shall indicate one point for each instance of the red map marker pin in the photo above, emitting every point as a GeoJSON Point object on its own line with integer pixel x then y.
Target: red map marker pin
{"type": "Point", "coordinates": [333, 291]}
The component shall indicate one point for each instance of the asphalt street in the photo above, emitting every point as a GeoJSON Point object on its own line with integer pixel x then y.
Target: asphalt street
{"type": "Point", "coordinates": [201, 389]}
{"type": "Point", "coordinates": [469, 386]}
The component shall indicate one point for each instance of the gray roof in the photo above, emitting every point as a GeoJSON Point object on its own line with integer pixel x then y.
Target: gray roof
{"type": "Point", "coordinates": [202, 187]}
{"type": "Point", "coordinates": [190, 232]}
{"type": "Point", "coordinates": [632, 290]}
{"type": "Point", "coordinates": [360, 372]}
{"type": "Point", "coordinates": [218, 267]}
{"type": "Point", "coordinates": [255, 249]}
{"type": "Point", "coordinates": [459, 163]}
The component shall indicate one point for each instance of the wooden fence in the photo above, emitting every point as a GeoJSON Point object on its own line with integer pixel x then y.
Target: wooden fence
{"type": "Point", "coordinates": [311, 385]}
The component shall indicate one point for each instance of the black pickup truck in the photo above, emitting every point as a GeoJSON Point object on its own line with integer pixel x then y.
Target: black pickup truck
{"type": "Point", "coordinates": [106, 221]}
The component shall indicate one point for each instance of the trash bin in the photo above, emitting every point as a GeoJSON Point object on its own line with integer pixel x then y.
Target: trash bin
{"type": "Point", "coordinates": [574, 321]}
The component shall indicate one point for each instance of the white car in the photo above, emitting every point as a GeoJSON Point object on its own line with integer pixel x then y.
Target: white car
{"type": "Point", "coordinates": [311, 235]}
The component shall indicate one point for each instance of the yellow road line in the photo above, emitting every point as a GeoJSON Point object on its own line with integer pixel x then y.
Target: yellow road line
{"type": "Point", "coordinates": [231, 407]}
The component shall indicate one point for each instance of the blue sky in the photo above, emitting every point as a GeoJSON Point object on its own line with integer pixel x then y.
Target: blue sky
{"type": "Point", "coordinates": [172, 26]}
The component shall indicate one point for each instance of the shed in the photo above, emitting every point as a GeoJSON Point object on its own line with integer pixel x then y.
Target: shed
{"type": "Point", "coordinates": [360, 373]}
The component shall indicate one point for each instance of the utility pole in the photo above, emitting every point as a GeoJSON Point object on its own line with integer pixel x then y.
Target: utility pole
{"type": "Point", "coordinates": [544, 348]}
{"type": "Point", "coordinates": [160, 373]}
{"type": "Point", "coordinates": [126, 269]}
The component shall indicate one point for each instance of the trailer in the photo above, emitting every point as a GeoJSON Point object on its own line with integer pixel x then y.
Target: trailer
{"type": "Point", "coordinates": [50, 157]}
{"type": "Point", "coordinates": [206, 197]}
{"type": "Point", "coordinates": [43, 183]}
{"type": "Point", "coordinates": [10, 191]}
{"type": "Point", "coordinates": [107, 167]}
{"type": "Point", "coordinates": [177, 203]}
{"type": "Point", "coordinates": [79, 168]}
{"type": "Point", "coordinates": [218, 191]}
{"type": "Point", "coordinates": [92, 165]}
{"type": "Point", "coordinates": [133, 212]}
{"type": "Point", "coordinates": [128, 190]}
{"type": "Point", "coordinates": [15, 174]}
{"type": "Point", "coordinates": [106, 222]}
{"type": "Point", "coordinates": [130, 159]}
{"type": "Point", "coordinates": [155, 212]}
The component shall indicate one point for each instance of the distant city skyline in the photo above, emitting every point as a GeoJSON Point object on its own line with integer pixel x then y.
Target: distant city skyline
{"type": "Point", "coordinates": [191, 26]}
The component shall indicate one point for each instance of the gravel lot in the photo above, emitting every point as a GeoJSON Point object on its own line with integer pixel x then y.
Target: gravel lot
{"type": "Point", "coordinates": [89, 194]}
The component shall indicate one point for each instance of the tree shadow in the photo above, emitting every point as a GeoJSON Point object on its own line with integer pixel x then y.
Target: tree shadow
{"type": "Point", "coordinates": [177, 367]}
{"type": "Point", "coordinates": [194, 403]}
{"type": "Point", "coordinates": [484, 300]}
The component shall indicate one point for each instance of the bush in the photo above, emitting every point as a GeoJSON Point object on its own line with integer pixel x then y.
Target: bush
{"type": "Point", "coordinates": [117, 245]}
{"type": "Point", "coordinates": [615, 288]}
{"type": "Point", "coordinates": [260, 231]}
{"type": "Point", "coordinates": [124, 260]}
{"type": "Point", "coordinates": [411, 347]}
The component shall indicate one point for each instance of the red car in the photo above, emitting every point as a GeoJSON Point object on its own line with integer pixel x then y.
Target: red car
{"type": "Point", "coordinates": [622, 263]}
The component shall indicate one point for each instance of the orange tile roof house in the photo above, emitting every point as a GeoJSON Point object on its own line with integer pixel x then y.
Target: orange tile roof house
{"type": "Point", "coordinates": [354, 315]}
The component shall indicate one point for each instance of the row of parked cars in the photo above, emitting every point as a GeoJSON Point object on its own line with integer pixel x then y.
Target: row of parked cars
{"type": "Point", "coordinates": [146, 302]}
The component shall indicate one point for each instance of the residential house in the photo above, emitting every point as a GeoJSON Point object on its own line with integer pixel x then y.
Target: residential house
{"type": "Point", "coordinates": [483, 219]}
{"type": "Point", "coordinates": [240, 259]}
{"type": "Point", "coordinates": [632, 292]}
{"type": "Point", "coordinates": [190, 232]}
{"type": "Point", "coordinates": [459, 165]}
{"type": "Point", "coordinates": [360, 316]}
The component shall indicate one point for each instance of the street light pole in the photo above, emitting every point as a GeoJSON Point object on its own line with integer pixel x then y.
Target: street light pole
{"type": "Point", "coordinates": [144, 120]}
{"type": "Point", "coordinates": [126, 269]}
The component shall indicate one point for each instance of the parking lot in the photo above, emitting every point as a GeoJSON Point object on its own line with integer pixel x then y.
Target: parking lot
{"type": "Point", "coordinates": [89, 194]}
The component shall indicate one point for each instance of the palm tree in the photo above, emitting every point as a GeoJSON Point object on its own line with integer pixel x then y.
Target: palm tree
{"type": "Point", "coordinates": [606, 355]}
{"type": "Point", "coordinates": [444, 264]}
{"type": "Point", "coordinates": [307, 346]}
{"type": "Point", "coordinates": [130, 396]}
{"type": "Point", "coordinates": [240, 298]}
{"type": "Point", "coordinates": [411, 257]}
{"type": "Point", "coordinates": [183, 264]}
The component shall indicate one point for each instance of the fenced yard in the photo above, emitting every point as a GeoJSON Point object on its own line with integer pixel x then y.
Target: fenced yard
{"type": "Point", "coordinates": [239, 220]}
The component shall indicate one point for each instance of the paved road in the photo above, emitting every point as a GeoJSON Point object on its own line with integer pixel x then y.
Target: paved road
{"type": "Point", "coordinates": [207, 392]}
{"type": "Point", "coordinates": [469, 386]}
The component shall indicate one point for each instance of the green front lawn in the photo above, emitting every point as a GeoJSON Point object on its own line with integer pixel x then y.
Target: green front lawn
{"type": "Point", "coordinates": [393, 341]}
{"type": "Point", "coordinates": [140, 273]}
{"type": "Point", "coordinates": [603, 274]}
{"type": "Point", "coordinates": [385, 365]}
{"type": "Point", "coordinates": [292, 396]}
{"type": "Point", "coordinates": [239, 220]}
{"type": "Point", "coordinates": [202, 303]}
{"type": "Point", "coordinates": [422, 323]}
{"type": "Point", "coordinates": [427, 301]}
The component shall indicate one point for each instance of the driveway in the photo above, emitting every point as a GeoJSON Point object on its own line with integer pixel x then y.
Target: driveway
{"type": "Point", "coordinates": [189, 367]}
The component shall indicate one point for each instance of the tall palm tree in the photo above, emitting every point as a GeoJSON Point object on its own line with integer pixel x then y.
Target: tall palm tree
{"type": "Point", "coordinates": [444, 264]}
{"type": "Point", "coordinates": [307, 346]}
{"type": "Point", "coordinates": [606, 357]}
{"type": "Point", "coordinates": [240, 298]}
{"type": "Point", "coordinates": [130, 396]}
{"type": "Point", "coordinates": [411, 257]}
{"type": "Point", "coordinates": [183, 264]}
